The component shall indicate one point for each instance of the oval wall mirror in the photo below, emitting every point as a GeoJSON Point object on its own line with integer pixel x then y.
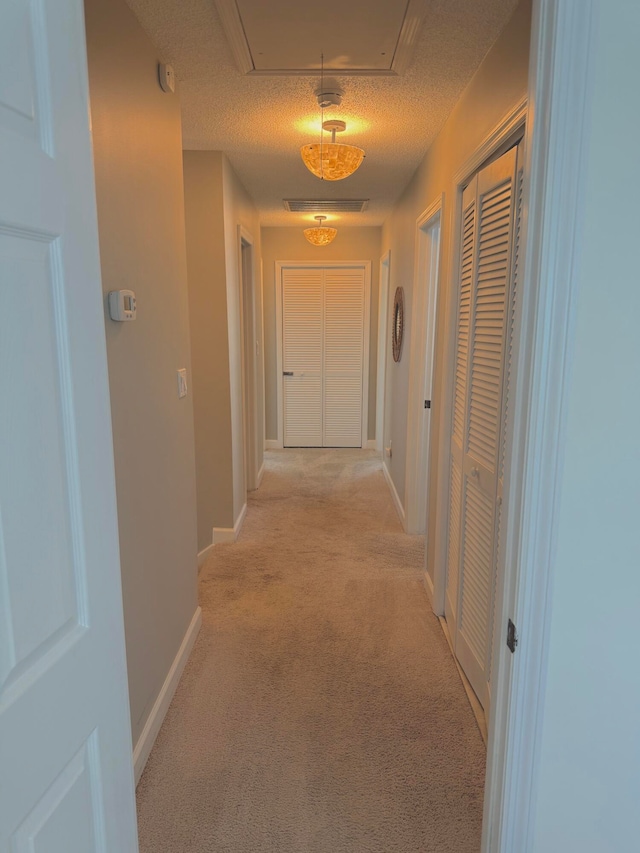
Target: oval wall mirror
{"type": "Point", "coordinates": [397, 330]}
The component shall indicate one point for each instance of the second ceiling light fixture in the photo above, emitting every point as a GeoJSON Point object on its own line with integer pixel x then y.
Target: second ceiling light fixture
{"type": "Point", "coordinates": [330, 161]}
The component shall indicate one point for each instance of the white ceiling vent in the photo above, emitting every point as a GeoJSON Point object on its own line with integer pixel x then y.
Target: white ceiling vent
{"type": "Point", "coordinates": [328, 205]}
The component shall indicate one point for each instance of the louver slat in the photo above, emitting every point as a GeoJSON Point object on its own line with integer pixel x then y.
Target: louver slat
{"type": "Point", "coordinates": [343, 357]}
{"type": "Point", "coordinates": [488, 326]}
{"type": "Point", "coordinates": [462, 339]}
{"type": "Point", "coordinates": [302, 354]}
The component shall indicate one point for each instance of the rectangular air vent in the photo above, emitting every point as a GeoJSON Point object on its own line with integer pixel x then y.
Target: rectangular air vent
{"type": "Point", "coordinates": [340, 205]}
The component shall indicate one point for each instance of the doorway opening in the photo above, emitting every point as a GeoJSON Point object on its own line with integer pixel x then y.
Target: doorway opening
{"type": "Point", "coordinates": [249, 349]}
{"type": "Point", "coordinates": [423, 332]}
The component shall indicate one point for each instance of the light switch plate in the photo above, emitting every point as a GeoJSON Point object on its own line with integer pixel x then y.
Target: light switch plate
{"type": "Point", "coordinates": [182, 382]}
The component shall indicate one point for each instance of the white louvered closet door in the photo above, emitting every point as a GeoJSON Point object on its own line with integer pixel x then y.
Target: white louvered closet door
{"type": "Point", "coordinates": [343, 357]}
{"type": "Point", "coordinates": [302, 354]}
{"type": "Point", "coordinates": [478, 415]}
{"type": "Point", "coordinates": [467, 263]}
{"type": "Point", "coordinates": [323, 356]}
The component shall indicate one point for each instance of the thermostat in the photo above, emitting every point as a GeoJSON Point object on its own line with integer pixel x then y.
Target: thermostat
{"type": "Point", "coordinates": [122, 305]}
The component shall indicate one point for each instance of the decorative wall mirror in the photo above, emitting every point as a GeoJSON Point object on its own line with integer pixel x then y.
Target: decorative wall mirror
{"type": "Point", "coordinates": [397, 331]}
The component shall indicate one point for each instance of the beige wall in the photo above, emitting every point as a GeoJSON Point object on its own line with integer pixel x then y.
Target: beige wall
{"type": "Point", "coordinates": [498, 85]}
{"type": "Point", "coordinates": [215, 205]}
{"type": "Point", "coordinates": [138, 166]}
{"type": "Point", "coordinates": [209, 340]}
{"type": "Point", "coordinates": [290, 244]}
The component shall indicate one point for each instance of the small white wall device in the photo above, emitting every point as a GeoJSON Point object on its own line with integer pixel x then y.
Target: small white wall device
{"type": "Point", "coordinates": [166, 77]}
{"type": "Point", "coordinates": [122, 305]}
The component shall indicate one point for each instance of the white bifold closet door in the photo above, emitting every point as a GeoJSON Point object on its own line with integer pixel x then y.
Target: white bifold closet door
{"type": "Point", "coordinates": [483, 339]}
{"type": "Point", "coordinates": [322, 356]}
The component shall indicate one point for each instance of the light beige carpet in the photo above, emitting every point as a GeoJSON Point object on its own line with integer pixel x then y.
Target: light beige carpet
{"type": "Point", "coordinates": [321, 711]}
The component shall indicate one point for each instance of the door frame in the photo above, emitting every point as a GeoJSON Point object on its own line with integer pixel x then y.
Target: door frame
{"type": "Point", "coordinates": [248, 357]}
{"type": "Point", "coordinates": [423, 330]}
{"type": "Point", "coordinates": [559, 90]}
{"type": "Point", "coordinates": [281, 265]}
{"type": "Point", "coordinates": [383, 343]}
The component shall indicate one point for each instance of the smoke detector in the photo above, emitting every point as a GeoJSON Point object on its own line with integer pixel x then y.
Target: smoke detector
{"type": "Point", "coordinates": [329, 96]}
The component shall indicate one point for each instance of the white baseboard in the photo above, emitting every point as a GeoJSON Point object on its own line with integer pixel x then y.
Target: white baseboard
{"type": "Point", "coordinates": [272, 444]}
{"type": "Point", "coordinates": [428, 585]}
{"type": "Point", "coordinates": [161, 705]}
{"type": "Point", "coordinates": [371, 444]}
{"type": "Point", "coordinates": [202, 555]}
{"type": "Point", "coordinates": [260, 476]}
{"type": "Point", "coordinates": [394, 494]}
{"type": "Point", "coordinates": [476, 707]}
{"type": "Point", "coordinates": [229, 534]}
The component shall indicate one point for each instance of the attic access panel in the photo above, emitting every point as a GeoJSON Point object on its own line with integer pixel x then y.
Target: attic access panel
{"type": "Point", "coordinates": [288, 36]}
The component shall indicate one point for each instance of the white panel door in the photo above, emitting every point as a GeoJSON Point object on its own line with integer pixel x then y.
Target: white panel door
{"type": "Point", "coordinates": [343, 357]}
{"type": "Point", "coordinates": [66, 777]}
{"type": "Point", "coordinates": [302, 356]}
{"type": "Point", "coordinates": [323, 349]}
{"type": "Point", "coordinates": [478, 415]}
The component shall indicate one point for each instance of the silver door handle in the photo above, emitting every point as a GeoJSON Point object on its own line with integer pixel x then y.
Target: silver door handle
{"type": "Point", "coordinates": [287, 372]}
{"type": "Point", "coordinates": [475, 472]}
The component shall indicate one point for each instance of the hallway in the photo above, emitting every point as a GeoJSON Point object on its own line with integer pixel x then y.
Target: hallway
{"type": "Point", "coordinates": [321, 709]}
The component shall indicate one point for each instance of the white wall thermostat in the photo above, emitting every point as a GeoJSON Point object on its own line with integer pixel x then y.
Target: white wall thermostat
{"type": "Point", "coordinates": [122, 305]}
{"type": "Point", "coordinates": [167, 77]}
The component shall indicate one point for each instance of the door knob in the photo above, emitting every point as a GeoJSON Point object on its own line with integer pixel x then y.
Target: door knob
{"type": "Point", "coordinates": [475, 472]}
{"type": "Point", "coordinates": [287, 372]}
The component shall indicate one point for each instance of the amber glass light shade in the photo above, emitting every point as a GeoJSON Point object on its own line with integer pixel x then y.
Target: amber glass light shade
{"type": "Point", "coordinates": [331, 161]}
{"type": "Point", "coordinates": [320, 235]}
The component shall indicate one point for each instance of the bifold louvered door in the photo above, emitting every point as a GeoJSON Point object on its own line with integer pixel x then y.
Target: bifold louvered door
{"type": "Point", "coordinates": [478, 414]}
{"type": "Point", "coordinates": [323, 315]}
{"type": "Point", "coordinates": [302, 356]}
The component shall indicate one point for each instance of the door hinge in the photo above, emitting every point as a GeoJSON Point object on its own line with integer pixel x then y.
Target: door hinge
{"type": "Point", "coordinates": [427, 404]}
{"type": "Point", "coordinates": [512, 636]}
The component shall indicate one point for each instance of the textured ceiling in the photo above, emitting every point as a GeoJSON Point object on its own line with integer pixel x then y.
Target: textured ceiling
{"type": "Point", "coordinates": [261, 122]}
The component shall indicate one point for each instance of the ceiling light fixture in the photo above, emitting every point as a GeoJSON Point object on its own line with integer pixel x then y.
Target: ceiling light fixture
{"type": "Point", "coordinates": [321, 235]}
{"type": "Point", "coordinates": [330, 161]}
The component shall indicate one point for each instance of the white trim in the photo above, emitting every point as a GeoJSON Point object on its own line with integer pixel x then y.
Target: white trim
{"type": "Point", "coordinates": [402, 54]}
{"type": "Point", "coordinates": [366, 265]}
{"type": "Point", "coordinates": [260, 475]}
{"type": "Point", "coordinates": [394, 494]}
{"type": "Point", "coordinates": [428, 585]}
{"type": "Point", "coordinates": [560, 78]}
{"type": "Point", "coordinates": [204, 555]}
{"type": "Point", "coordinates": [423, 332]}
{"type": "Point", "coordinates": [234, 31]}
{"type": "Point", "coordinates": [496, 141]}
{"type": "Point", "coordinates": [229, 534]}
{"type": "Point", "coordinates": [383, 338]}
{"type": "Point", "coordinates": [248, 359]}
{"type": "Point", "coordinates": [371, 444]}
{"type": "Point", "coordinates": [500, 135]}
{"type": "Point", "coordinates": [161, 705]}
{"type": "Point", "coordinates": [272, 444]}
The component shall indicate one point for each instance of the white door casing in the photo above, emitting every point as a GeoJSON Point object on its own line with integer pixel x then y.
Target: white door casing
{"type": "Point", "coordinates": [66, 774]}
{"type": "Point", "coordinates": [323, 353]}
{"type": "Point", "coordinates": [383, 338]}
{"type": "Point", "coordinates": [421, 371]}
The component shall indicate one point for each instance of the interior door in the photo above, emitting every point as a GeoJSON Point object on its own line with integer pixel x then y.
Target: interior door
{"type": "Point", "coordinates": [344, 298]}
{"type": "Point", "coordinates": [323, 348]}
{"type": "Point", "coordinates": [485, 284]}
{"type": "Point", "coordinates": [66, 777]}
{"type": "Point", "coordinates": [302, 356]}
